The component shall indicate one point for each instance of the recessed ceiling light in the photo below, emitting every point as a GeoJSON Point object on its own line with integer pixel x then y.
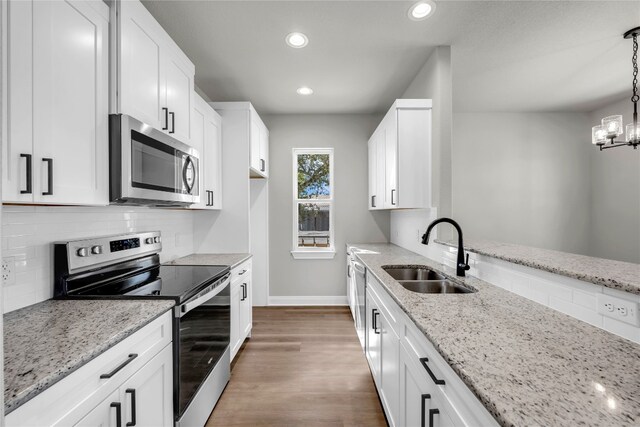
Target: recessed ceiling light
{"type": "Point", "coordinates": [422, 10]}
{"type": "Point", "coordinates": [297, 40]}
{"type": "Point", "coordinates": [304, 90]}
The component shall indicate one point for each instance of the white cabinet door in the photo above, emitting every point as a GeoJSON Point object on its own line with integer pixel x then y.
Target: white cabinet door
{"type": "Point", "coordinates": [235, 340]}
{"type": "Point", "coordinates": [142, 81]}
{"type": "Point", "coordinates": [70, 107]}
{"type": "Point", "coordinates": [179, 96]}
{"type": "Point", "coordinates": [254, 141]}
{"type": "Point", "coordinates": [105, 414]}
{"type": "Point", "coordinates": [147, 397]}
{"type": "Point", "coordinates": [389, 368]}
{"type": "Point", "coordinates": [212, 155]}
{"type": "Point", "coordinates": [17, 150]}
{"type": "Point", "coordinates": [373, 338]}
{"type": "Point", "coordinates": [373, 173]}
{"type": "Point", "coordinates": [264, 150]}
{"type": "Point", "coordinates": [246, 307]}
{"type": "Point", "coordinates": [391, 160]}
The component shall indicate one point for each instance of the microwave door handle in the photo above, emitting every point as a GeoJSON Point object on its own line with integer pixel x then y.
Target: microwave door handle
{"type": "Point", "coordinates": [185, 166]}
{"type": "Point", "coordinates": [198, 301]}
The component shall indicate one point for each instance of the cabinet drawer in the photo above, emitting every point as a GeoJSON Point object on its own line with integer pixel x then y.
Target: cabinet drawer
{"type": "Point", "coordinates": [460, 403]}
{"type": "Point", "coordinates": [84, 388]}
{"type": "Point", "coordinates": [392, 311]}
{"type": "Point", "coordinates": [241, 270]}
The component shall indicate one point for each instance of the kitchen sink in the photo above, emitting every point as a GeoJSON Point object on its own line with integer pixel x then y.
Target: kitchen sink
{"type": "Point", "coordinates": [412, 273]}
{"type": "Point", "coordinates": [434, 287]}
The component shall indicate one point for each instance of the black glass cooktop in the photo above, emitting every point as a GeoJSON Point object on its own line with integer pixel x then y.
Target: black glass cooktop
{"type": "Point", "coordinates": [163, 281]}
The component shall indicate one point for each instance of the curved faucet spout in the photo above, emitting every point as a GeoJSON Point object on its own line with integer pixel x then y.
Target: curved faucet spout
{"type": "Point", "coordinates": [461, 264]}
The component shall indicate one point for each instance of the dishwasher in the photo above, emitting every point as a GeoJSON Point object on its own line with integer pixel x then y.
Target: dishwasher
{"type": "Point", "coordinates": [360, 312]}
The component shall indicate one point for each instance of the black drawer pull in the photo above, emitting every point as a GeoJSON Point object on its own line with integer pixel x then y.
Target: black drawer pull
{"type": "Point", "coordinates": [29, 175]}
{"type": "Point", "coordinates": [118, 368]}
{"type": "Point", "coordinates": [432, 412]}
{"type": "Point", "coordinates": [118, 407]}
{"type": "Point", "coordinates": [424, 361]}
{"type": "Point", "coordinates": [49, 191]}
{"type": "Point", "coordinates": [173, 122]}
{"type": "Point", "coordinates": [373, 201]}
{"type": "Point", "coordinates": [423, 413]}
{"type": "Point", "coordinates": [166, 118]}
{"type": "Point", "coordinates": [392, 193]}
{"type": "Point", "coordinates": [374, 319]}
{"type": "Point", "coordinates": [263, 165]}
{"type": "Point", "coordinates": [132, 392]}
{"type": "Point", "coordinates": [242, 272]}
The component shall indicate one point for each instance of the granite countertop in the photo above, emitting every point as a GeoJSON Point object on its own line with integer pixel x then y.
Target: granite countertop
{"type": "Point", "coordinates": [528, 364]}
{"type": "Point", "coordinates": [624, 276]}
{"type": "Point", "coordinates": [45, 342]}
{"type": "Point", "coordinates": [231, 260]}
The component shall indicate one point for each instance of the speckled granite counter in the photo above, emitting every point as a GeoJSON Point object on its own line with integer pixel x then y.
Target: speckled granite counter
{"type": "Point", "coordinates": [528, 364]}
{"type": "Point", "coordinates": [45, 342]}
{"type": "Point", "coordinates": [624, 276]}
{"type": "Point", "coordinates": [231, 260]}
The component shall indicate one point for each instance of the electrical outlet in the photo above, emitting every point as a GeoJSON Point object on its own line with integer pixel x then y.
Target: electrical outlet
{"type": "Point", "coordinates": [8, 271]}
{"type": "Point", "coordinates": [619, 309]}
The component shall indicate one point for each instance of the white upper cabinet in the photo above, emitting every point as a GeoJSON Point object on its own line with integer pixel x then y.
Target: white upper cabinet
{"type": "Point", "coordinates": [152, 79]}
{"type": "Point", "coordinates": [206, 137]}
{"type": "Point", "coordinates": [400, 157]}
{"type": "Point", "coordinates": [57, 97]}
{"type": "Point", "coordinates": [259, 149]}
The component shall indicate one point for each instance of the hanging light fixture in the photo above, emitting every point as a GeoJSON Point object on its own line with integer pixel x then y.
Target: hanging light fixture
{"type": "Point", "coordinates": [605, 134]}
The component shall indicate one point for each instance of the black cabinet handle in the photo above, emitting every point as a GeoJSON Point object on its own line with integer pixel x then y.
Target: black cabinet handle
{"type": "Point", "coordinates": [166, 118]}
{"type": "Point", "coordinates": [49, 191]}
{"type": "Point", "coordinates": [392, 194]}
{"type": "Point", "coordinates": [119, 367]}
{"type": "Point", "coordinates": [374, 320]}
{"type": "Point", "coordinates": [132, 392]}
{"type": "Point", "coordinates": [173, 122]}
{"type": "Point", "coordinates": [424, 410]}
{"type": "Point", "coordinates": [263, 165]}
{"type": "Point", "coordinates": [244, 291]}
{"type": "Point", "coordinates": [432, 412]}
{"type": "Point", "coordinates": [373, 201]}
{"type": "Point", "coordinates": [29, 174]}
{"type": "Point", "coordinates": [424, 361]}
{"type": "Point", "coordinates": [118, 407]}
{"type": "Point", "coordinates": [349, 270]}
{"type": "Point", "coordinates": [242, 272]}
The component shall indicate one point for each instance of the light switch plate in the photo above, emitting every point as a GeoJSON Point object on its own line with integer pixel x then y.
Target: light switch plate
{"type": "Point", "coordinates": [619, 309]}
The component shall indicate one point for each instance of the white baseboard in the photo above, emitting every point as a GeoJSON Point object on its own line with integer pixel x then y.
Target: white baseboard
{"type": "Point", "coordinates": [308, 300]}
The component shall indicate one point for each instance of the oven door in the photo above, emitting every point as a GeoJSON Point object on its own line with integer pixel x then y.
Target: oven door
{"type": "Point", "coordinates": [201, 339]}
{"type": "Point", "coordinates": [153, 167]}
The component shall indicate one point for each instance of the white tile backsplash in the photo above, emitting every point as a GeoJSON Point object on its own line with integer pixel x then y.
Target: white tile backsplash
{"type": "Point", "coordinates": [565, 294]}
{"type": "Point", "coordinates": [28, 233]}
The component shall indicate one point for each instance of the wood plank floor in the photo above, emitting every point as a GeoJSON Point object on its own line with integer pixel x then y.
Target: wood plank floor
{"type": "Point", "coordinates": [303, 366]}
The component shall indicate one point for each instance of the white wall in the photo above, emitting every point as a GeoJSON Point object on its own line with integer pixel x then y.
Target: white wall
{"type": "Point", "coordinates": [348, 135]}
{"type": "Point", "coordinates": [615, 194]}
{"type": "Point", "coordinates": [523, 178]}
{"type": "Point", "coordinates": [28, 233]}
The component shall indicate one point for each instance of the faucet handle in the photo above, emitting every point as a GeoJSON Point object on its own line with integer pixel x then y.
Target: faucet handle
{"type": "Point", "coordinates": [466, 263]}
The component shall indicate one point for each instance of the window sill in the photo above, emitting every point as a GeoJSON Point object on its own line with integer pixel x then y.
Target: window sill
{"type": "Point", "coordinates": [321, 254]}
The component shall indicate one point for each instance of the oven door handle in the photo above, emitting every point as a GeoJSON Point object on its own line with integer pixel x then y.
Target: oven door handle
{"type": "Point", "coordinates": [201, 299]}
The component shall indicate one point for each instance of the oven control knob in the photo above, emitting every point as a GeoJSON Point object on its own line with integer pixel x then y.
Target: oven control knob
{"type": "Point", "coordinates": [96, 250]}
{"type": "Point", "coordinates": [148, 240]}
{"type": "Point", "coordinates": [156, 239]}
{"type": "Point", "coordinates": [83, 252]}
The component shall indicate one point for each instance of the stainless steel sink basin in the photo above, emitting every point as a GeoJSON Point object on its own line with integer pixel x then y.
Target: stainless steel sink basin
{"type": "Point", "coordinates": [434, 287]}
{"type": "Point", "coordinates": [412, 273]}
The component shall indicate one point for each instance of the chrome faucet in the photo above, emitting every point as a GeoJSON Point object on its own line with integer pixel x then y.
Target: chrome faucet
{"type": "Point", "coordinates": [461, 264]}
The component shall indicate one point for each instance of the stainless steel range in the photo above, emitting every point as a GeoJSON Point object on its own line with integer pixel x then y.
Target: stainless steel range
{"type": "Point", "coordinates": [128, 266]}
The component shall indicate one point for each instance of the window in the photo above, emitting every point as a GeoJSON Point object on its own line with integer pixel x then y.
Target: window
{"type": "Point", "coordinates": [313, 227]}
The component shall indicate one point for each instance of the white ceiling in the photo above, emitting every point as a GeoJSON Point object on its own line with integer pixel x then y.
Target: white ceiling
{"type": "Point", "coordinates": [506, 55]}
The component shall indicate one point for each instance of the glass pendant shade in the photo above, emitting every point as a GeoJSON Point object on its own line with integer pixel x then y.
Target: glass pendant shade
{"type": "Point", "coordinates": [633, 132]}
{"type": "Point", "coordinates": [613, 126]}
{"type": "Point", "coordinates": [598, 135]}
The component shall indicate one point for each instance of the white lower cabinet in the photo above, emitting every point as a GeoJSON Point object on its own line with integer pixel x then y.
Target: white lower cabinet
{"type": "Point", "coordinates": [129, 384]}
{"type": "Point", "coordinates": [416, 386]}
{"type": "Point", "coordinates": [241, 306]}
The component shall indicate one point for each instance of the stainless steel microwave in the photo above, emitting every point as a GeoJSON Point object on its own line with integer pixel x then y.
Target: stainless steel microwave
{"type": "Point", "coordinates": [148, 167]}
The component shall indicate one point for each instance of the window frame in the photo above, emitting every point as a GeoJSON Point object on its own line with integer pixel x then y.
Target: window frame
{"type": "Point", "coordinates": [313, 252]}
